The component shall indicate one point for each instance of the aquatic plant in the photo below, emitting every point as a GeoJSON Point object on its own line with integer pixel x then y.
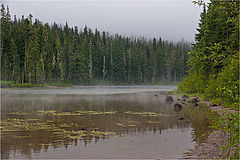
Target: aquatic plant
{"type": "Point", "coordinates": [61, 131]}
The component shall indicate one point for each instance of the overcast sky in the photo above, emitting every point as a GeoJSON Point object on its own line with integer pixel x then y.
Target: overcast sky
{"type": "Point", "coordinates": [170, 19]}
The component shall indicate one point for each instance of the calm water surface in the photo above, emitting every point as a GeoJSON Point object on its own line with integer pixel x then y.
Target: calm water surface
{"type": "Point", "coordinates": [97, 122]}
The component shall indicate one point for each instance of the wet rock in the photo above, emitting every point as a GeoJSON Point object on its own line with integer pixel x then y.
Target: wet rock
{"type": "Point", "coordinates": [195, 100]}
{"type": "Point", "coordinates": [82, 129]}
{"type": "Point", "coordinates": [194, 103]}
{"type": "Point", "coordinates": [212, 105]}
{"type": "Point", "coordinates": [184, 97]}
{"type": "Point", "coordinates": [182, 103]}
{"type": "Point", "coordinates": [177, 107]}
{"type": "Point", "coordinates": [183, 100]}
{"type": "Point", "coordinates": [181, 118]}
{"type": "Point", "coordinates": [169, 100]}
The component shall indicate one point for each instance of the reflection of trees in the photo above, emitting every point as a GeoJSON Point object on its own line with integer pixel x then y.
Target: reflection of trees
{"type": "Point", "coordinates": [35, 141]}
{"type": "Point", "coordinates": [30, 142]}
{"type": "Point", "coordinates": [201, 119]}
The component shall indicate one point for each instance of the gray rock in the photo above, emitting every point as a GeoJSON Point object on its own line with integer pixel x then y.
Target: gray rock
{"type": "Point", "coordinates": [169, 99]}
{"type": "Point", "coordinates": [181, 118]}
{"type": "Point", "coordinates": [177, 107]}
{"type": "Point", "coordinates": [184, 97]}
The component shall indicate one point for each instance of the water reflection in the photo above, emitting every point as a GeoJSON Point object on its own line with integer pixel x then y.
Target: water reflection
{"type": "Point", "coordinates": [46, 122]}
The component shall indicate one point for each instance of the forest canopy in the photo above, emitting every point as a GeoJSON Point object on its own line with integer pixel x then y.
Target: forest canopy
{"type": "Point", "coordinates": [35, 52]}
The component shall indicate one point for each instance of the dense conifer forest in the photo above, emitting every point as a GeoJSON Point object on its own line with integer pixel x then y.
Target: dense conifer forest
{"type": "Point", "coordinates": [35, 52]}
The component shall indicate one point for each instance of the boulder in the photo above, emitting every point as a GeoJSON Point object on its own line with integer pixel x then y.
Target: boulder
{"type": "Point", "coordinates": [184, 97]}
{"type": "Point", "coordinates": [169, 99]}
{"type": "Point", "coordinates": [194, 101]}
{"type": "Point", "coordinates": [177, 107]}
{"type": "Point", "coordinates": [212, 105]}
{"type": "Point", "coordinates": [181, 118]}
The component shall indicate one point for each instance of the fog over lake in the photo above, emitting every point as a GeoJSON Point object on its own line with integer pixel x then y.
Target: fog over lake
{"type": "Point", "coordinates": [97, 122]}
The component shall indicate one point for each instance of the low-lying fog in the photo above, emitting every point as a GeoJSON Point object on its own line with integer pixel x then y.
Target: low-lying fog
{"type": "Point", "coordinates": [92, 90]}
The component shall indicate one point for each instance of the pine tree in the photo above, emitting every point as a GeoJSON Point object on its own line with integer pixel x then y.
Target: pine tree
{"type": "Point", "coordinates": [42, 53]}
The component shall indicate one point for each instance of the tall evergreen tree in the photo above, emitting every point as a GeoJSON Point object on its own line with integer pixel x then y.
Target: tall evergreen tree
{"type": "Point", "coordinates": [43, 53]}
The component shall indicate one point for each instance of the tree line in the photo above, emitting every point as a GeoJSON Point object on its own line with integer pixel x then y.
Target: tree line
{"type": "Point", "coordinates": [35, 52]}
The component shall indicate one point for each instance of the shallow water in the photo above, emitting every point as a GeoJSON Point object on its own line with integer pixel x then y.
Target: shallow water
{"type": "Point", "coordinates": [97, 122]}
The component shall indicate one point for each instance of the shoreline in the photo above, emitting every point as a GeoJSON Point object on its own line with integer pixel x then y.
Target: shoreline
{"type": "Point", "coordinates": [211, 148]}
{"type": "Point", "coordinates": [10, 84]}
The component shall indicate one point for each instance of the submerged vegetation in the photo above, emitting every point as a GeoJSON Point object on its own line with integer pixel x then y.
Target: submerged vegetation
{"type": "Point", "coordinates": [78, 122]}
{"type": "Point", "coordinates": [75, 113]}
{"type": "Point", "coordinates": [60, 131]}
{"type": "Point", "coordinates": [147, 114]}
{"type": "Point", "coordinates": [14, 122]}
{"type": "Point", "coordinates": [214, 65]}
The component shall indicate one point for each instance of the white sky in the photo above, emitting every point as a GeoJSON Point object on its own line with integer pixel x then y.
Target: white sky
{"type": "Point", "coordinates": [170, 19]}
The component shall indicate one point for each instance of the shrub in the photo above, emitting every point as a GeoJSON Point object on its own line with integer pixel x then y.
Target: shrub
{"type": "Point", "coordinates": [194, 83]}
{"type": "Point", "coordinates": [5, 84]}
{"type": "Point", "coordinates": [226, 85]}
{"type": "Point", "coordinates": [23, 85]}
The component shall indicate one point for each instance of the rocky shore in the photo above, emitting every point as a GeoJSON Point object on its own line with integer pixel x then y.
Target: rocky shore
{"type": "Point", "coordinates": [211, 148]}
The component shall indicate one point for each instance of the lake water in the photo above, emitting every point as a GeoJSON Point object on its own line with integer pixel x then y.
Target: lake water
{"type": "Point", "coordinates": [98, 122]}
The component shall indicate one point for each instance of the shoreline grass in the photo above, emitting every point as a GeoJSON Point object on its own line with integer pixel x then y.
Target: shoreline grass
{"type": "Point", "coordinates": [10, 84]}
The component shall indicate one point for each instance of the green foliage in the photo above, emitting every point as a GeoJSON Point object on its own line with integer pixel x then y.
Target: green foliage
{"type": "Point", "coordinates": [214, 66]}
{"type": "Point", "coordinates": [226, 84]}
{"type": "Point", "coordinates": [39, 53]}
{"type": "Point", "coordinates": [194, 83]}
{"type": "Point", "coordinates": [59, 84]}
{"type": "Point", "coordinates": [23, 85]}
{"type": "Point", "coordinates": [11, 84]}
{"type": "Point", "coordinates": [214, 59]}
{"type": "Point", "coordinates": [5, 84]}
{"type": "Point", "coordinates": [228, 123]}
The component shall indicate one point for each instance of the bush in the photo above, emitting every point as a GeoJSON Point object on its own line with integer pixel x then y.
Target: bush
{"type": "Point", "coordinates": [10, 84]}
{"type": "Point", "coordinates": [5, 84]}
{"type": "Point", "coordinates": [59, 84]}
{"type": "Point", "coordinates": [23, 85]}
{"type": "Point", "coordinates": [226, 85]}
{"type": "Point", "coordinates": [194, 83]}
